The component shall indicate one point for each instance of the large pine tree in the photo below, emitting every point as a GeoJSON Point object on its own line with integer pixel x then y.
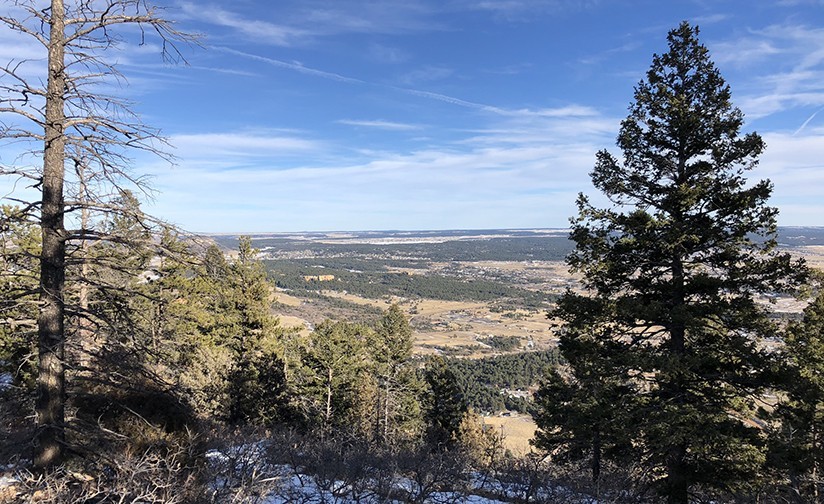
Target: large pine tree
{"type": "Point", "coordinates": [799, 446]}
{"type": "Point", "coordinates": [673, 268]}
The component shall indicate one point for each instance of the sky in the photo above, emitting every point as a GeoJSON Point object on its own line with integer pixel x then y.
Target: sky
{"type": "Point", "coordinates": [321, 115]}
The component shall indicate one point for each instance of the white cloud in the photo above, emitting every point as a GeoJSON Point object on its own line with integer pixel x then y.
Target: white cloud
{"type": "Point", "coordinates": [806, 122]}
{"type": "Point", "coordinates": [795, 165]}
{"type": "Point", "coordinates": [524, 10]}
{"type": "Point", "coordinates": [234, 144]}
{"type": "Point", "coordinates": [301, 23]}
{"type": "Point", "coordinates": [709, 19]}
{"type": "Point", "coordinates": [496, 183]}
{"type": "Point", "coordinates": [566, 111]}
{"type": "Point", "coordinates": [743, 52]}
{"type": "Point", "coordinates": [385, 125]}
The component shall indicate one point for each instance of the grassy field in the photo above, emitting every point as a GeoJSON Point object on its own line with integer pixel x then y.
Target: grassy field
{"type": "Point", "coordinates": [517, 430]}
{"type": "Point", "coordinates": [452, 325]}
{"type": "Point", "coordinates": [813, 254]}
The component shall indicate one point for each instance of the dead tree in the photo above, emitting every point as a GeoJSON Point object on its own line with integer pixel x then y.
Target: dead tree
{"type": "Point", "coordinates": [74, 143]}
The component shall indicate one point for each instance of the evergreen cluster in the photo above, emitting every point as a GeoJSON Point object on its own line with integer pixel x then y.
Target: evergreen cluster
{"type": "Point", "coordinates": [486, 382]}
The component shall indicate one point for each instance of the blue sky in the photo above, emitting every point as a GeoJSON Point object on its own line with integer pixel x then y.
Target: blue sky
{"type": "Point", "coordinates": [447, 114]}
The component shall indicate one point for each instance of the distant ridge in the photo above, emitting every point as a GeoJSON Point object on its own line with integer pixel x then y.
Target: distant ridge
{"type": "Point", "coordinates": [788, 236]}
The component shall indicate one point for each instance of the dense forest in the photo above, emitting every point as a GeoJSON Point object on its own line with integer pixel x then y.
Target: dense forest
{"type": "Point", "coordinates": [141, 364]}
{"type": "Point", "coordinates": [303, 276]}
{"type": "Point", "coordinates": [486, 382]}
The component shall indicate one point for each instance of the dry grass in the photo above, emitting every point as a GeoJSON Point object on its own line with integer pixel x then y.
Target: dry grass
{"type": "Point", "coordinates": [287, 300]}
{"type": "Point", "coordinates": [517, 429]}
{"type": "Point", "coordinates": [454, 324]}
{"type": "Point", "coordinates": [290, 322]}
{"type": "Point", "coordinates": [813, 254]}
{"type": "Point", "coordinates": [380, 303]}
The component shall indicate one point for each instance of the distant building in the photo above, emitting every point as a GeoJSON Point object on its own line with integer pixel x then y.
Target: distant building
{"type": "Point", "coordinates": [319, 278]}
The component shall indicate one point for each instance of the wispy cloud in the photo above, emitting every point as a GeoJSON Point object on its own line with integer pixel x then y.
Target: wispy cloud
{"type": "Point", "coordinates": [515, 69]}
{"type": "Point", "coordinates": [795, 164]}
{"type": "Point", "coordinates": [524, 10]}
{"type": "Point", "coordinates": [18, 47]}
{"type": "Point", "coordinates": [570, 110]}
{"type": "Point", "coordinates": [770, 51]}
{"type": "Point", "coordinates": [384, 125]}
{"type": "Point", "coordinates": [303, 22]}
{"type": "Point", "coordinates": [355, 16]}
{"type": "Point", "coordinates": [426, 188]}
{"type": "Point", "coordinates": [451, 100]}
{"type": "Point", "coordinates": [565, 111]}
{"type": "Point", "coordinates": [744, 52]}
{"type": "Point", "coordinates": [709, 19]}
{"type": "Point", "coordinates": [229, 71]}
{"type": "Point", "coordinates": [426, 74]}
{"type": "Point", "coordinates": [387, 54]}
{"type": "Point", "coordinates": [527, 176]}
{"type": "Point", "coordinates": [240, 144]}
{"type": "Point", "coordinates": [795, 3]}
{"type": "Point", "coordinates": [530, 163]}
{"type": "Point", "coordinates": [607, 54]}
{"type": "Point", "coordinates": [252, 28]}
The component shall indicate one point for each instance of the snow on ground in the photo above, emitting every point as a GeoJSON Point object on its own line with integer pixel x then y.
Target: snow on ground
{"type": "Point", "coordinates": [6, 379]}
{"type": "Point", "coordinates": [283, 483]}
{"type": "Point", "coordinates": [243, 474]}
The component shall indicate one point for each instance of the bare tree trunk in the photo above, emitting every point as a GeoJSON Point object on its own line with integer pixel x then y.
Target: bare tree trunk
{"type": "Point", "coordinates": [386, 413]}
{"type": "Point", "coordinates": [595, 465]}
{"type": "Point", "coordinates": [51, 390]}
{"type": "Point", "coordinates": [85, 334]}
{"type": "Point", "coordinates": [816, 463]}
{"type": "Point", "coordinates": [328, 420]}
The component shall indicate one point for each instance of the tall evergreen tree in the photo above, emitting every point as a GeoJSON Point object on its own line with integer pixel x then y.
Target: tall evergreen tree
{"type": "Point", "coordinates": [445, 405]}
{"type": "Point", "coordinates": [333, 360]}
{"type": "Point", "coordinates": [672, 269]}
{"type": "Point", "coordinates": [584, 412]}
{"type": "Point", "coordinates": [253, 334]}
{"type": "Point", "coordinates": [800, 443]}
{"type": "Point", "coordinates": [398, 411]}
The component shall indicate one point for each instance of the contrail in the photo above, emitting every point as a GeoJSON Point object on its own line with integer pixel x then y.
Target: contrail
{"type": "Point", "coordinates": [299, 67]}
{"type": "Point", "coordinates": [293, 66]}
{"type": "Point", "coordinates": [804, 125]}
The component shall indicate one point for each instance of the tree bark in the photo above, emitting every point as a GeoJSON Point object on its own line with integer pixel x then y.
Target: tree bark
{"type": "Point", "coordinates": [677, 482]}
{"type": "Point", "coordinates": [51, 390]}
{"type": "Point", "coordinates": [677, 479]}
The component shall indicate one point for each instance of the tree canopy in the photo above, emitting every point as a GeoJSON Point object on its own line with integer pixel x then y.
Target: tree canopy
{"type": "Point", "coordinates": [672, 271]}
